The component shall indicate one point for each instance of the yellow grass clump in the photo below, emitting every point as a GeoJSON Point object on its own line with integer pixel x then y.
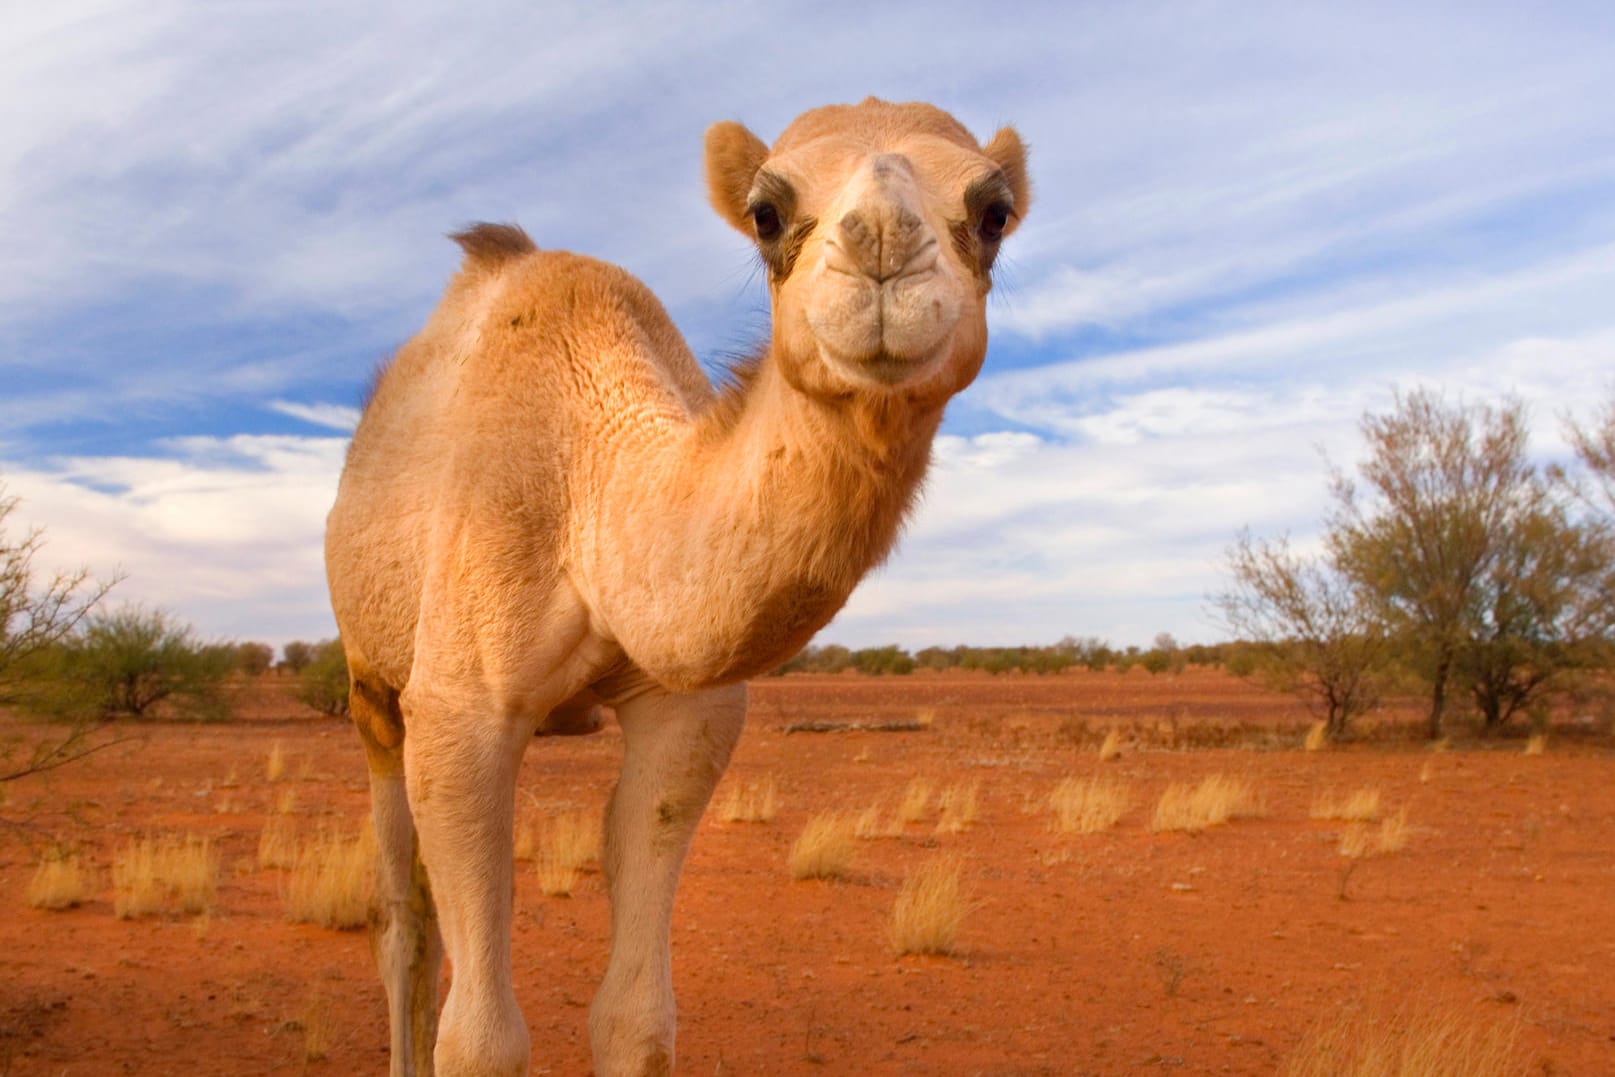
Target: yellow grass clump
{"type": "Point", "coordinates": [750, 802]}
{"type": "Point", "coordinates": [1111, 748]}
{"type": "Point", "coordinates": [275, 765]}
{"type": "Point", "coordinates": [1537, 744]}
{"type": "Point", "coordinates": [866, 824]}
{"type": "Point", "coordinates": [150, 874]}
{"type": "Point", "coordinates": [286, 802]}
{"type": "Point", "coordinates": [1217, 799]}
{"type": "Point", "coordinates": [960, 806]}
{"type": "Point", "coordinates": [824, 848]}
{"type": "Point", "coordinates": [924, 717]}
{"type": "Point", "coordinates": [1317, 737]}
{"type": "Point", "coordinates": [1423, 1043]}
{"type": "Point", "coordinates": [568, 844]}
{"type": "Point", "coordinates": [916, 799]}
{"type": "Point", "coordinates": [60, 881]}
{"type": "Point", "coordinates": [1393, 832]}
{"type": "Point", "coordinates": [1359, 806]}
{"type": "Point", "coordinates": [929, 910]}
{"type": "Point", "coordinates": [277, 844]}
{"type": "Point", "coordinates": [1088, 805]}
{"type": "Point", "coordinates": [330, 884]}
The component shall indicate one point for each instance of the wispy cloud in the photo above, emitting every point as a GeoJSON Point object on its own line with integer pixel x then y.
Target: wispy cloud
{"type": "Point", "coordinates": [333, 416]}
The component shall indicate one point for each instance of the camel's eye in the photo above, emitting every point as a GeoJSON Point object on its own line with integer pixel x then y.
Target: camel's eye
{"type": "Point", "coordinates": [765, 218]}
{"type": "Point", "coordinates": [994, 219]}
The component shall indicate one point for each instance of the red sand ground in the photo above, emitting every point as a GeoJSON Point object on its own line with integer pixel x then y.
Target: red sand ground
{"type": "Point", "coordinates": [1113, 953]}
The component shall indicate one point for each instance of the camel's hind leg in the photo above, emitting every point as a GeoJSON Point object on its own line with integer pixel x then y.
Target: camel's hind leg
{"type": "Point", "coordinates": [403, 928]}
{"type": "Point", "coordinates": [676, 749]}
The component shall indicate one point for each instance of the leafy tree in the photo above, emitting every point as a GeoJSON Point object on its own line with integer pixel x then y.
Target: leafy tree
{"type": "Point", "coordinates": [134, 658]}
{"type": "Point", "coordinates": [297, 654]}
{"type": "Point", "coordinates": [34, 617]}
{"type": "Point", "coordinates": [888, 659]}
{"type": "Point", "coordinates": [254, 659]}
{"type": "Point", "coordinates": [323, 683]}
{"type": "Point", "coordinates": [1483, 579]}
{"type": "Point", "coordinates": [1595, 447]}
{"type": "Point", "coordinates": [1307, 629]}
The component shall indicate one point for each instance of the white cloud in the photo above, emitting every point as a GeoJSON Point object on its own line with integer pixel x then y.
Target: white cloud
{"type": "Point", "coordinates": [225, 532]}
{"type": "Point", "coordinates": [333, 416]}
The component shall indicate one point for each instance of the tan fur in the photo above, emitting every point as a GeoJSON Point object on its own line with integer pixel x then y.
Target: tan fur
{"type": "Point", "coordinates": [547, 507]}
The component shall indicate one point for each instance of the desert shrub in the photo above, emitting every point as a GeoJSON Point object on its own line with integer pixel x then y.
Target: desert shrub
{"type": "Point", "coordinates": [750, 802]}
{"type": "Point", "coordinates": [824, 849]}
{"type": "Point", "coordinates": [322, 682]}
{"type": "Point", "coordinates": [60, 881]}
{"type": "Point", "coordinates": [888, 659]}
{"type": "Point", "coordinates": [150, 874]}
{"type": "Point", "coordinates": [1088, 805]}
{"type": "Point", "coordinates": [254, 659]}
{"type": "Point", "coordinates": [297, 654]}
{"type": "Point", "coordinates": [134, 658]}
{"type": "Point", "coordinates": [1421, 1043]}
{"type": "Point", "coordinates": [1217, 799]}
{"type": "Point", "coordinates": [331, 881]}
{"type": "Point", "coordinates": [929, 910]}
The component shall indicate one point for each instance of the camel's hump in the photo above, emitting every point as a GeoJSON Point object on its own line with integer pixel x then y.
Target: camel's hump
{"type": "Point", "coordinates": [491, 244]}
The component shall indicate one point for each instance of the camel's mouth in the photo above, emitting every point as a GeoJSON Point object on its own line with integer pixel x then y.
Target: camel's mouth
{"type": "Point", "coordinates": [887, 331]}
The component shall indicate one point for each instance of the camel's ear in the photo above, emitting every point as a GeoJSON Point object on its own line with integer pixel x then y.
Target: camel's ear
{"type": "Point", "coordinates": [1007, 149]}
{"type": "Point", "coordinates": [734, 155]}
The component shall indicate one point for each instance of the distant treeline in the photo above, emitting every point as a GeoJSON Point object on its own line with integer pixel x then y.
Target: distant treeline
{"type": "Point", "coordinates": [1165, 656]}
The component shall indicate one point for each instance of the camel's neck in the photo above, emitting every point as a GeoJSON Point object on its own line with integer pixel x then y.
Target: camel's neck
{"type": "Point", "coordinates": [759, 524]}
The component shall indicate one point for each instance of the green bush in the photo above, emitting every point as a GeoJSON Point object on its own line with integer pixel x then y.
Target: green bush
{"type": "Point", "coordinates": [322, 682]}
{"type": "Point", "coordinates": [128, 661]}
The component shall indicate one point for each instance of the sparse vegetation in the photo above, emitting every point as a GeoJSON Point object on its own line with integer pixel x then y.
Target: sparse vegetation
{"type": "Point", "coordinates": [60, 881]}
{"type": "Point", "coordinates": [959, 807]}
{"type": "Point", "coordinates": [1111, 747]}
{"type": "Point", "coordinates": [915, 803]}
{"type": "Point", "coordinates": [824, 849]}
{"type": "Point", "coordinates": [1360, 805]}
{"type": "Point", "coordinates": [1088, 805]}
{"type": "Point", "coordinates": [754, 801]}
{"type": "Point", "coordinates": [1214, 801]}
{"type": "Point", "coordinates": [330, 884]}
{"type": "Point", "coordinates": [133, 659]}
{"type": "Point", "coordinates": [1416, 1043]}
{"type": "Point", "coordinates": [153, 874]}
{"type": "Point", "coordinates": [275, 764]}
{"type": "Point", "coordinates": [930, 909]}
{"type": "Point", "coordinates": [277, 843]}
{"type": "Point", "coordinates": [566, 844]}
{"type": "Point", "coordinates": [322, 677]}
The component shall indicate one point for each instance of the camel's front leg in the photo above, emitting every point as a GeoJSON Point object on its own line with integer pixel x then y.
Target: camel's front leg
{"type": "Point", "coordinates": [677, 747]}
{"type": "Point", "coordinates": [461, 771]}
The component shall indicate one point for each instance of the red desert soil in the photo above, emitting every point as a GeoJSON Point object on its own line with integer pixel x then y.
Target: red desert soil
{"type": "Point", "coordinates": [1111, 953]}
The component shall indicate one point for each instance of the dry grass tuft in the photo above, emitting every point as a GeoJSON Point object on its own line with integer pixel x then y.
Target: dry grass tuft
{"type": "Point", "coordinates": [929, 909]}
{"type": "Point", "coordinates": [1111, 748]}
{"type": "Point", "coordinates": [60, 881]}
{"type": "Point", "coordinates": [1359, 806]}
{"type": "Point", "coordinates": [1088, 805]}
{"type": "Point", "coordinates": [1427, 1043]}
{"type": "Point", "coordinates": [916, 800]}
{"type": "Point", "coordinates": [1393, 832]}
{"type": "Point", "coordinates": [924, 717]}
{"type": "Point", "coordinates": [1217, 799]}
{"type": "Point", "coordinates": [286, 802]}
{"type": "Point", "coordinates": [275, 765]}
{"type": "Point", "coordinates": [750, 802]}
{"type": "Point", "coordinates": [1317, 737]}
{"type": "Point", "coordinates": [330, 883]}
{"type": "Point", "coordinates": [317, 1028]}
{"type": "Point", "coordinates": [824, 848]}
{"type": "Point", "coordinates": [960, 806]}
{"type": "Point", "coordinates": [569, 843]}
{"type": "Point", "coordinates": [277, 844]}
{"type": "Point", "coordinates": [866, 824]}
{"type": "Point", "coordinates": [1537, 744]}
{"type": "Point", "coordinates": [150, 874]}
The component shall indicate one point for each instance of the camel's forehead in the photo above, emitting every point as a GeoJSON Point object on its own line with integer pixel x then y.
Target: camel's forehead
{"type": "Point", "coordinates": [875, 124]}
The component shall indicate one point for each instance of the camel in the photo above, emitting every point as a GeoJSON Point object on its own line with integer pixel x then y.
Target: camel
{"type": "Point", "coordinates": [548, 508]}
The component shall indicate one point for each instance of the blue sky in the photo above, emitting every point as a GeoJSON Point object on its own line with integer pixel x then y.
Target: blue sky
{"type": "Point", "coordinates": [1251, 223]}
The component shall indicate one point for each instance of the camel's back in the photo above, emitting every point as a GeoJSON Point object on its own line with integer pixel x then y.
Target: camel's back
{"type": "Point", "coordinates": [484, 425]}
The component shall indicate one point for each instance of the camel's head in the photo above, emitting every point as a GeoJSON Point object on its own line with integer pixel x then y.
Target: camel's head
{"type": "Point", "coordinates": [879, 224]}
